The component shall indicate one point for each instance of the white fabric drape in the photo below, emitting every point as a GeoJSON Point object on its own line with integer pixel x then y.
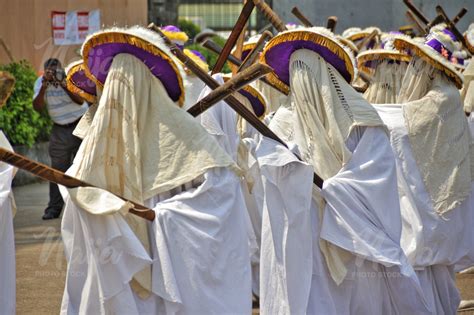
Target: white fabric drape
{"type": "Point", "coordinates": [327, 109]}
{"type": "Point", "coordinates": [387, 82]}
{"type": "Point", "coordinates": [7, 239]}
{"type": "Point", "coordinates": [434, 245]}
{"type": "Point", "coordinates": [439, 135]}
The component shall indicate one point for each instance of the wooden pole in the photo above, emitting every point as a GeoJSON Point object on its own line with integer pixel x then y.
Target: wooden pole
{"type": "Point", "coordinates": [367, 40]}
{"type": "Point", "coordinates": [231, 100]}
{"type": "Point", "coordinates": [237, 82]}
{"type": "Point", "coordinates": [459, 16]}
{"type": "Point", "coordinates": [47, 173]}
{"type": "Point", "coordinates": [253, 55]}
{"type": "Point", "coordinates": [451, 26]}
{"type": "Point", "coordinates": [7, 50]}
{"type": "Point", "coordinates": [234, 35]}
{"type": "Point", "coordinates": [411, 17]}
{"type": "Point", "coordinates": [331, 23]}
{"type": "Point", "coordinates": [270, 15]}
{"type": "Point", "coordinates": [416, 12]}
{"type": "Point", "coordinates": [296, 12]}
{"type": "Point", "coordinates": [215, 48]}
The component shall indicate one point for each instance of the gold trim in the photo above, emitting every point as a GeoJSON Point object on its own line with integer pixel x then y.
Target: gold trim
{"type": "Point", "coordinates": [357, 36]}
{"type": "Point", "coordinates": [379, 55]}
{"type": "Point", "coordinates": [319, 39]}
{"type": "Point", "coordinates": [71, 86]}
{"type": "Point", "coordinates": [402, 44]}
{"type": "Point", "coordinates": [203, 65]}
{"type": "Point", "coordinates": [125, 38]}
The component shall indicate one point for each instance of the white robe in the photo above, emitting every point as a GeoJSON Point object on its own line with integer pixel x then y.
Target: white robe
{"type": "Point", "coordinates": [7, 239]}
{"type": "Point", "coordinates": [200, 260]}
{"type": "Point", "coordinates": [433, 244]}
{"type": "Point", "coordinates": [353, 219]}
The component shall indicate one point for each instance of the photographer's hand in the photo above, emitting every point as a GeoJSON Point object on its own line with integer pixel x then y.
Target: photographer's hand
{"type": "Point", "coordinates": [74, 97]}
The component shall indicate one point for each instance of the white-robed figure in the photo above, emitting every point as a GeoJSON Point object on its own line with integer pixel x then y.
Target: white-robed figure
{"type": "Point", "coordinates": [430, 139]}
{"type": "Point", "coordinates": [239, 140]}
{"type": "Point", "coordinates": [387, 67]}
{"type": "Point", "coordinates": [356, 221]}
{"type": "Point", "coordinates": [7, 239]}
{"type": "Point", "coordinates": [7, 212]}
{"type": "Point", "coordinates": [194, 257]}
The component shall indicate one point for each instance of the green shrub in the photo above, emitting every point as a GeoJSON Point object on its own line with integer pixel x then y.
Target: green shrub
{"type": "Point", "coordinates": [189, 28]}
{"type": "Point", "coordinates": [21, 124]}
{"type": "Point", "coordinates": [211, 57]}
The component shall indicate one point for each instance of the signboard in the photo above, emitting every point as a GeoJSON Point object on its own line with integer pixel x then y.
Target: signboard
{"type": "Point", "coordinates": [72, 27]}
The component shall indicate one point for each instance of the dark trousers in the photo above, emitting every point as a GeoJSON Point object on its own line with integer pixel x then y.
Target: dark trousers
{"type": "Point", "coordinates": [63, 146]}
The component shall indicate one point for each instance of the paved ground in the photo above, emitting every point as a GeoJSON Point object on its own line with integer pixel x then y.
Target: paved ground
{"type": "Point", "coordinates": [41, 266]}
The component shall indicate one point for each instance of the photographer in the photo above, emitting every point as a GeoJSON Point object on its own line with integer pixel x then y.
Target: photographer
{"type": "Point", "coordinates": [65, 109]}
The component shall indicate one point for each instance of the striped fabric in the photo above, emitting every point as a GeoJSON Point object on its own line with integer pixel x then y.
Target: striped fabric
{"type": "Point", "coordinates": [61, 108]}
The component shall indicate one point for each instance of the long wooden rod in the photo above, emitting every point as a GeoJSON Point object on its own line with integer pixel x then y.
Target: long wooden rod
{"type": "Point", "coordinates": [303, 19]}
{"type": "Point", "coordinates": [50, 174]}
{"type": "Point", "coordinates": [270, 15]}
{"type": "Point", "coordinates": [234, 35]}
{"type": "Point", "coordinates": [237, 82]}
{"type": "Point", "coordinates": [231, 100]}
{"type": "Point", "coordinates": [254, 53]}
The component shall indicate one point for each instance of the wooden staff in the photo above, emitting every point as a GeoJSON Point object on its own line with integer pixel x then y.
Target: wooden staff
{"type": "Point", "coordinates": [237, 82]}
{"type": "Point", "coordinates": [459, 16]}
{"type": "Point", "coordinates": [416, 12]}
{"type": "Point", "coordinates": [438, 19]}
{"type": "Point", "coordinates": [411, 17]}
{"type": "Point", "coordinates": [231, 100]}
{"type": "Point", "coordinates": [234, 35]}
{"type": "Point", "coordinates": [215, 48]}
{"type": "Point", "coordinates": [451, 26]}
{"type": "Point", "coordinates": [367, 39]}
{"type": "Point", "coordinates": [7, 50]}
{"type": "Point", "coordinates": [296, 12]}
{"type": "Point", "coordinates": [253, 55]}
{"type": "Point", "coordinates": [331, 23]}
{"type": "Point", "coordinates": [47, 173]}
{"type": "Point", "coordinates": [270, 15]}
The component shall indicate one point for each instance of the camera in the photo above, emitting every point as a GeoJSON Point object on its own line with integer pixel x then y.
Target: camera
{"type": "Point", "coordinates": [59, 75]}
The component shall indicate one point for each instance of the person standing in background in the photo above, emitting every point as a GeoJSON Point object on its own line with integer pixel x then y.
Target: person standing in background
{"type": "Point", "coordinates": [65, 109]}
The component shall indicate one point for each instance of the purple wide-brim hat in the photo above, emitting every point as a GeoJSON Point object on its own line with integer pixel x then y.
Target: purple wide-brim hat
{"type": "Point", "coordinates": [100, 48]}
{"type": "Point", "coordinates": [79, 83]}
{"type": "Point", "coordinates": [256, 99]}
{"type": "Point", "coordinates": [278, 50]}
{"type": "Point", "coordinates": [430, 55]}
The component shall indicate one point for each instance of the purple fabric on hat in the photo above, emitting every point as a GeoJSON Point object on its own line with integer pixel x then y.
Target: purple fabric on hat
{"type": "Point", "coordinates": [201, 56]}
{"type": "Point", "coordinates": [438, 46]}
{"type": "Point", "coordinates": [448, 32]}
{"type": "Point", "coordinates": [101, 56]}
{"type": "Point", "coordinates": [80, 80]}
{"type": "Point", "coordinates": [245, 54]}
{"type": "Point", "coordinates": [257, 105]}
{"type": "Point", "coordinates": [171, 28]}
{"type": "Point", "coordinates": [278, 57]}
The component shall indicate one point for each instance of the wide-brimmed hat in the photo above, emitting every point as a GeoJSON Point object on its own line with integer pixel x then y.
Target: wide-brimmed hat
{"type": "Point", "coordinates": [368, 59]}
{"type": "Point", "coordinates": [355, 34]}
{"type": "Point", "coordinates": [100, 48]}
{"type": "Point", "coordinates": [469, 37]}
{"type": "Point", "coordinates": [198, 58]}
{"type": "Point", "coordinates": [256, 99]}
{"type": "Point", "coordinates": [278, 50]}
{"type": "Point", "coordinates": [175, 35]}
{"type": "Point", "coordinates": [79, 83]}
{"type": "Point", "coordinates": [7, 82]}
{"type": "Point", "coordinates": [437, 50]}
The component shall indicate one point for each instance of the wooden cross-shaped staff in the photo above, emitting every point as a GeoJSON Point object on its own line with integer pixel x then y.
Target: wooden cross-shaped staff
{"type": "Point", "coordinates": [231, 100]}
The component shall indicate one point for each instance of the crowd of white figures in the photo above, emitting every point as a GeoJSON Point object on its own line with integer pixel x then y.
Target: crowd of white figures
{"type": "Point", "coordinates": [238, 215]}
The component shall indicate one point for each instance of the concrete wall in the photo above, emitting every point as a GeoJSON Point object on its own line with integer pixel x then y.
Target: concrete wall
{"type": "Point", "coordinates": [386, 14]}
{"type": "Point", "coordinates": [25, 25]}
